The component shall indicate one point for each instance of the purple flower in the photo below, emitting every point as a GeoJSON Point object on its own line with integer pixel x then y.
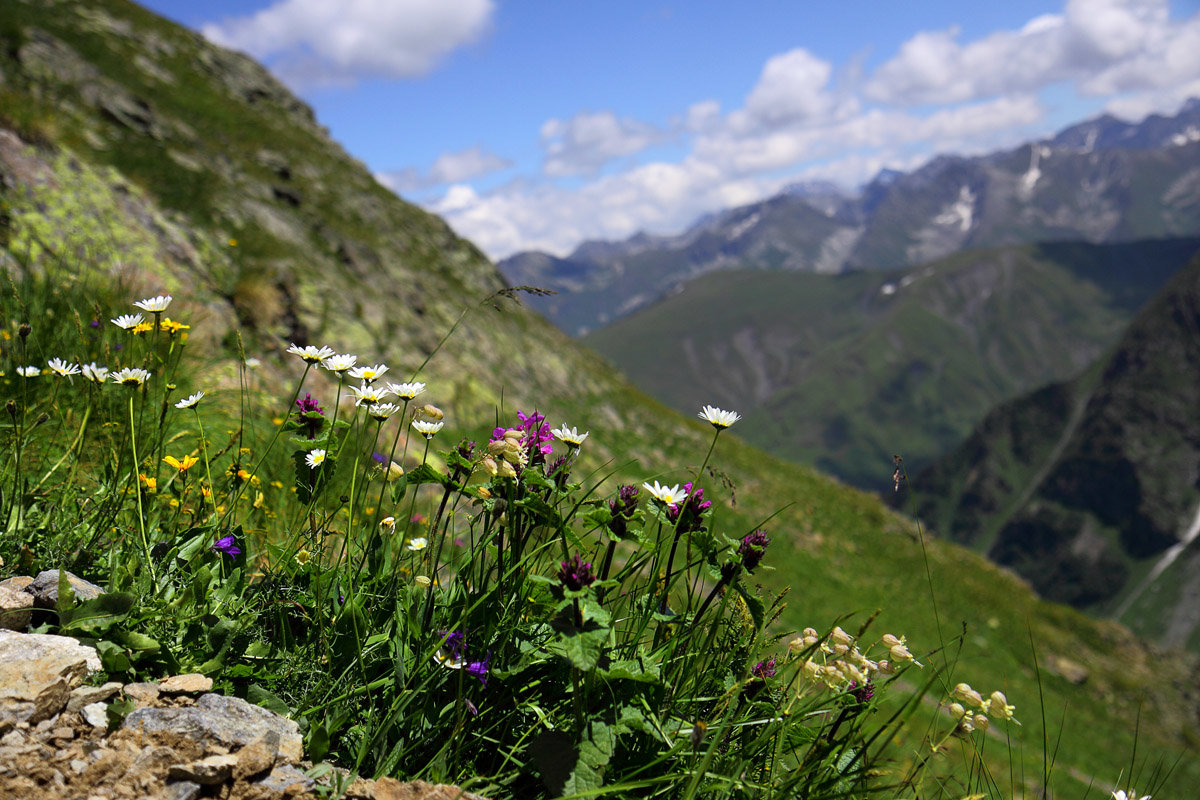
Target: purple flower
{"type": "Point", "coordinates": [226, 545]}
{"type": "Point", "coordinates": [764, 669]}
{"type": "Point", "coordinates": [479, 669]}
{"type": "Point", "coordinates": [688, 514]}
{"type": "Point", "coordinates": [752, 549]}
{"type": "Point", "coordinates": [576, 574]}
{"type": "Point", "coordinates": [622, 510]}
{"type": "Point", "coordinates": [378, 457]}
{"type": "Point", "coordinates": [307, 404]}
{"type": "Point", "coordinates": [454, 645]}
{"type": "Point", "coordinates": [311, 416]}
{"type": "Point", "coordinates": [862, 693]}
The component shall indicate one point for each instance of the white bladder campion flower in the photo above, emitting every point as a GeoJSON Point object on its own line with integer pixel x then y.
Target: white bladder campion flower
{"type": "Point", "coordinates": [312, 354]}
{"type": "Point", "coordinates": [130, 376]}
{"type": "Point", "coordinates": [155, 305]}
{"type": "Point", "coordinates": [426, 427]}
{"type": "Point", "coordinates": [570, 436]}
{"type": "Point", "coordinates": [315, 458]}
{"type": "Point", "coordinates": [63, 368]}
{"type": "Point", "coordinates": [128, 321]}
{"type": "Point", "coordinates": [671, 495]}
{"type": "Point", "coordinates": [190, 402]}
{"type": "Point", "coordinates": [718, 418]}
{"type": "Point", "coordinates": [406, 391]}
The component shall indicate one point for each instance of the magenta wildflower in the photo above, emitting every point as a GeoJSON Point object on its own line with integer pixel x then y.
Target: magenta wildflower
{"type": "Point", "coordinates": [312, 418]}
{"type": "Point", "coordinates": [764, 669]}
{"type": "Point", "coordinates": [622, 509]}
{"type": "Point", "coordinates": [687, 515]}
{"type": "Point", "coordinates": [576, 574]}
{"type": "Point", "coordinates": [752, 549]}
{"type": "Point", "coordinates": [226, 545]}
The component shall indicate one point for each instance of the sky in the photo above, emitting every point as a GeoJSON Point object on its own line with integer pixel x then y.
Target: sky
{"type": "Point", "coordinates": [541, 124]}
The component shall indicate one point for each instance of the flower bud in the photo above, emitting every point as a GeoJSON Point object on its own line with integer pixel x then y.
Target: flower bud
{"type": "Point", "coordinates": [430, 412]}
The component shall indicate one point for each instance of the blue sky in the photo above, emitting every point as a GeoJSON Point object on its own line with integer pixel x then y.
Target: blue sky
{"type": "Point", "coordinates": [538, 124]}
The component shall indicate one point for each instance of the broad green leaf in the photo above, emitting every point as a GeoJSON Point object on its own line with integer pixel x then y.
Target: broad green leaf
{"type": "Point", "coordinates": [100, 612]}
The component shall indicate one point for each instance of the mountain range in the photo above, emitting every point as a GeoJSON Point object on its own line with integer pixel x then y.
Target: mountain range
{"type": "Point", "coordinates": [134, 150]}
{"type": "Point", "coordinates": [1100, 181]}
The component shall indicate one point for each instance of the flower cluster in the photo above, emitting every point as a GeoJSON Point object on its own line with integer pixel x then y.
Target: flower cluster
{"type": "Point", "coordinates": [969, 706]}
{"type": "Point", "coordinates": [622, 510]}
{"type": "Point", "coordinates": [835, 661]}
{"type": "Point", "coordinates": [753, 548]}
{"type": "Point", "coordinates": [576, 574]}
{"type": "Point", "coordinates": [688, 512]}
{"type": "Point", "coordinates": [452, 655]}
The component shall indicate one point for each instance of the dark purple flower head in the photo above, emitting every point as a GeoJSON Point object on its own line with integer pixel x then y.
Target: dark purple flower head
{"type": "Point", "coordinates": [752, 549]}
{"type": "Point", "coordinates": [378, 457]}
{"type": "Point", "coordinates": [559, 471]}
{"type": "Point", "coordinates": [307, 404]}
{"type": "Point", "coordinates": [688, 514]}
{"type": "Point", "coordinates": [622, 510]}
{"type": "Point", "coordinates": [226, 545]}
{"type": "Point", "coordinates": [479, 669]}
{"type": "Point", "coordinates": [764, 669]}
{"type": "Point", "coordinates": [95, 323]}
{"type": "Point", "coordinates": [466, 449]}
{"type": "Point", "coordinates": [454, 646]}
{"type": "Point", "coordinates": [576, 574]}
{"type": "Point", "coordinates": [862, 693]}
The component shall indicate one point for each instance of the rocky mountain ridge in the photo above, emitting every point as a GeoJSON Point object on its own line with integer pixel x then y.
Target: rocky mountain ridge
{"type": "Point", "coordinates": [1101, 181]}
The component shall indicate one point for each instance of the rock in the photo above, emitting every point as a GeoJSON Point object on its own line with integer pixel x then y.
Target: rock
{"type": "Point", "coordinates": [227, 721]}
{"type": "Point", "coordinates": [15, 608]}
{"type": "Point", "coordinates": [44, 589]}
{"type": "Point", "coordinates": [191, 683]}
{"type": "Point", "coordinates": [18, 582]}
{"type": "Point", "coordinates": [95, 715]}
{"type": "Point", "coordinates": [87, 695]}
{"type": "Point", "coordinates": [286, 781]}
{"type": "Point", "coordinates": [392, 789]}
{"type": "Point", "coordinates": [184, 790]}
{"type": "Point", "coordinates": [142, 693]}
{"type": "Point", "coordinates": [258, 756]}
{"type": "Point", "coordinates": [206, 771]}
{"type": "Point", "coordinates": [37, 674]}
{"type": "Point", "coordinates": [1073, 671]}
{"type": "Point", "coordinates": [12, 739]}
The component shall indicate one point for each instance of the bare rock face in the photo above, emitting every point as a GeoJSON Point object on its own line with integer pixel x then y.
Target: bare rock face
{"type": "Point", "coordinates": [16, 608]}
{"type": "Point", "coordinates": [37, 674]}
{"type": "Point", "coordinates": [229, 722]}
{"type": "Point", "coordinates": [44, 588]}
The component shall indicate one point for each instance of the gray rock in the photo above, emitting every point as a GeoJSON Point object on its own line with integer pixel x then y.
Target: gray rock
{"type": "Point", "coordinates": [227, 721]}
{"type": "Point", "coordinates": [284, 777]}
{"type": "Point", "coordinates": [15, 608]}
{"type": "Point", "coordinates": [37, 674]}
{"type": "Point", "coordinates": [142, 693]}
{"type": "Point", "coordinates": [191, 683]}
{"type": "Point", "coordinates": [207, 771]}
{"type": "Point", "coordinates": [184, 790]}
{"type": "Point", "coordinates": [88, 695]}
{"type": "Point", "coordinates": [45, 589]}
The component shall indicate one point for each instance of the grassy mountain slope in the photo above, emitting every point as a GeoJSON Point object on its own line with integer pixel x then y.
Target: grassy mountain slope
{"type": "Point", "coordinates": [1085, 487]}
{"type": "Point", "coordinates": [843, 371]}
{"type": "Point", "coordinates": [120, 156]}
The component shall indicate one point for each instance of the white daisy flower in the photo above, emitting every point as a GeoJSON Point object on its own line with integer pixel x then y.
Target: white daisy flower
{"type": "Point", "coordinates": [717, 417]}
{"type": "Point", "coordinates": [671, 495]}
{"type": "Point", "coordinates": [155, 305]}
{"type": "Point", "coordinates": [130, 376]}
{"type": "Point", "coordinates": [369, 374]}
{"type": "Point", "coordinates": [381, 411]}
{"type": "Point", "coordinates": [339, 363]}
{"type": "Point", "coordinates": [315, 458]}
{"type": "Point", "coordinates": [426, 427]}
{"type": "Point", "coordinates": [312, 354]}
{"type": "Point", "coordinates": [368, 394]}
{"type": "Point", "coordinates": [406, 391]}
{"type": "Point", "coordinates": [128, 321]}
{"type": "Point", "coordinates": [28, 372]}
{"type": "Point", "coordinates": [60, 367]}
{"type": "Point", "coordinates": [190, 402]}
{"type": "Point", "coordinates": [572, 437]}
{"type": "Point", "coordinates": [419, 543]}
{"type": "Point", "coordinates": [95, 372]}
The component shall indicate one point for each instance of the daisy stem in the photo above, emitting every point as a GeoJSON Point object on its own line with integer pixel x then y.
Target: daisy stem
{"type": "Point", "coordinates": [207, 468]}
{"type": "Point", "coordinates": [138, 490]}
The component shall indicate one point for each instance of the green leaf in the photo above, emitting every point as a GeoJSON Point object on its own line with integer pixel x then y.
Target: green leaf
{"type": "Point", "coordinates": [137, 642]}
{"type": "Point", "coordinates": [259, 696]}
{"type": "Point", "coordinates": [757, 610]}
{"type": "Point", "coordinates": [632, 671]}
{"type": "Point", "coordinates": [594, 754]}
{"type": "Point", "coordinates": [100, 612]}
{"type": "Point", "coordinates": [112, 657]}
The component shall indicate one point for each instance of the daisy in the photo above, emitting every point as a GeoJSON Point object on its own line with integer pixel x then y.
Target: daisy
{"type": "Point", "coordinates": [419, 543]}
{"type": "Point", "coordinates": [155, 305]}
{"type": "Point", "coordinates": [718, 418]}
{"type": "Point", "coordinates": [369, 374]}
{"type": "Point", "coordinates": [381, 411]}
{"type": "Point", "coordinates": [339, 363]}
{"type": "Point", "coordinates": [62, 368]}
{"type": "Point", "coordinates": [130, 376]}
{"type": "Point", "coordinates": [128, 321]}
{"type": "Point", "coordinates": [28, 372]}
{"type": "Point", "coordinates": [95, 372]}
{"type": "Point", "coordinates": [406, 391]}
{"type": "Point", "coordinates": [570, 436]}
{"type": "Point", "coordinates": [368, 394]}
{"type": "Point", "coordinates": [311, 353]}
{"type": "Point", "coordinates": [315, 458]}
{"type": "Point", "coordinates": [1120, 795]}
{"type": "Point", "coordinates": [671, 495]}
{"type": "Point", "coordinates": [426, 427]}
{"type": "Point", "coordinates": [190, 402]}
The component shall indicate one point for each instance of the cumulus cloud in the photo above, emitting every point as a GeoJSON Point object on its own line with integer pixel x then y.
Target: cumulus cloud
{"type": "Point", "coordinates": [464, 165]}
{"type": "Point", "coordinates": [319, 41]}
{"type": "Point", "coordinates": [587, 141]}
{"type": "Point", "coordinates": [1099, 45]}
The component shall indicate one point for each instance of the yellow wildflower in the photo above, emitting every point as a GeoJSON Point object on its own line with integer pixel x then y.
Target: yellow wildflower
{"type": "Point", "coordinates": [150, 483]}
{"type": "Point", "coordinates": [183, 466]}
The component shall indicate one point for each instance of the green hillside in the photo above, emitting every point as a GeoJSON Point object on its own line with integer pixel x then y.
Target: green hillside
{"type": "Point", "coordinates": [136, 157]}
{"type": "Point", "coordinates": [842, 371]}
{"type": "Point", "coordinates": [1085, 487]}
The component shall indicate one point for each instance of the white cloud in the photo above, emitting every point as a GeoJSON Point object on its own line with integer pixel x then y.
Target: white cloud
{"type": "Point", "coordinates": [340, 41]}
{"type": "Point", "coordinates": [587, 141]}
{"type": "Point", "coordinates": [793, 88]}
{"type": "Point", "coordinates": [464, 165]}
